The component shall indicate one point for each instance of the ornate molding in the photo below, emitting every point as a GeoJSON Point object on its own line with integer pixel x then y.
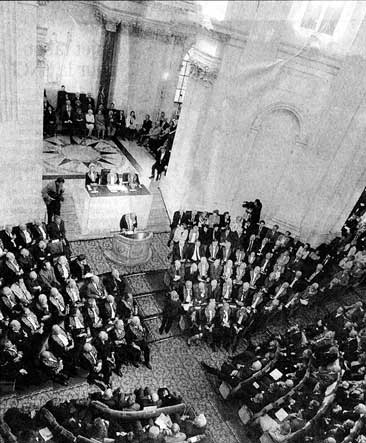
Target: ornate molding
{"type": "Point", "coordinates": [149, 31]}
{"type": "Point", "coordinates": [134, 23]}
{"type": "Point", "coordinates": [108, 23]}
{"type": "Point", "coordinates": [203, 73]}
{"type": "Point", "coordinates": [203, 66]}
{"type": "Point", "coordinates": [42, 46]}
{"type": "Point", "coordinates": [301, 139]}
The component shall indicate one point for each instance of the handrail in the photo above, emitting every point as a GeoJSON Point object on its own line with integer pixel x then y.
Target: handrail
{"type": "Point", "coordinates": [138, 415]}
{"type": "Point", "coordinates": [257, 374]}
{"type": "Point", "coordinates": [280, 400]}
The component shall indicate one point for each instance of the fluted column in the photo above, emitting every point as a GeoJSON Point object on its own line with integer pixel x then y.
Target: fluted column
{"type": "Point", "coordinates": [183, 186]}
{"type": "Point", "coordinates": [110, 38]}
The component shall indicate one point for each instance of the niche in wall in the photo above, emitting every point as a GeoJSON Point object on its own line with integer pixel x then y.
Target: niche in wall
{"type": "Point", "coordinates": [280, 172]}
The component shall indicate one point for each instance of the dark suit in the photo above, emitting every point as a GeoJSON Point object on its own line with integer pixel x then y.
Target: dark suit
{"type": "Point", "coordinates": [125, 223]}
{"type": "Point", "coordinates": [61, 99]}
{"type": "Point", "coordinates": [88, 101]}
{"type": "Point", "coordinates": [260, 231]}
{"type": "Point", "coordinates": [162, 160]}
{"type": "Point", "coordinates": [68, 119]}
{"type": "Point", "coordinates": [113, 286]}
{"type": "Point", "coordinates": [201, 252]}
{"type": "Point", "coordinates": [49, 122]}
{"type": "Point", "coordinates": [55, 231]}
{"type": "Point", "coordinates": [214, 253]}
{"type": "Point", "coordinates": [27, 263]}
{"type": "Point", "coordinates": [8, 241]}
{"type": "Point", "coordinates": [215, 272]}
{"type": "Point", "coordinates": [37, 233]}
{"type": "Point", "coordinates": [177, 219]}
{"type": "Point", "coordinates": [109, 312]}
{"type": "Point", "coordinates": [78, 270]}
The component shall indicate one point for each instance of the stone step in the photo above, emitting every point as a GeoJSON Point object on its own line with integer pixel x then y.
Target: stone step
{"type": "Point", "coordinates": [68, 214]}
{"type": "Point", "coordinates": [158, 218]}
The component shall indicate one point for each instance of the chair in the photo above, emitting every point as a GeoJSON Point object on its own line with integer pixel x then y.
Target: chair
{"type": "Point", "coordinates": [103, 176]}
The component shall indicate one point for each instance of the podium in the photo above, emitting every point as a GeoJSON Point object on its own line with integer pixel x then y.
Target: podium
{"type": "Point", "coordinates": [130, 249]}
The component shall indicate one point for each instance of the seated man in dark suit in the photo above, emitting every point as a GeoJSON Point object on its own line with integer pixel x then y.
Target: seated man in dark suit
{"type": "Point", "coordinates": [145, 129]}
{"type": "Point", "coordinates": [25, 238]}
{"type": "Point", "coordinates": [128, 222]}
{"type": "Point", "coordinates": [68, 118]}
{"type": "Point", "coordinates": [89, 103]}
{"type": "Point", "coordinates": [49, 122]}
{"type": "Point", "coordinates": [9, 239]}
{"type": "Point", "coordinates": [114, 284]}
{"type": "Point", "coordinates": [53, 366]}
{"type": "Point", "coordinates": [79, 267]}
{"type": "Point", "coordinates": [39, 231]}
{"type": "Point", "coordinates": [161, 164]}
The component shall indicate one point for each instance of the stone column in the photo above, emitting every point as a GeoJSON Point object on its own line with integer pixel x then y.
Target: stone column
{"type": "Point", "coordinates": [183, 185]}
{"type": "Point", "coordinates": [110, 38]}
{"type": "Point", "coordinates": [21, 115]}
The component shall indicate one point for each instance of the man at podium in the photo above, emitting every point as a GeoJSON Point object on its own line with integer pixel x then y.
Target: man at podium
{"type": "Point", "coordinates": [128, 222]}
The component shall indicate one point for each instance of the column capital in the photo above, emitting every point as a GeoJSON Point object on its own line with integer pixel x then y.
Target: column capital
{"type": "Point", "coordinates": [109, 23]}
{"type": "Point", "coordinates": [203, 66]}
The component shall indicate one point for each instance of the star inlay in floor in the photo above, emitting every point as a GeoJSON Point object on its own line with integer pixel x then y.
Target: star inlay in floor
{"type": "Point", "coordinates": [71, 156]}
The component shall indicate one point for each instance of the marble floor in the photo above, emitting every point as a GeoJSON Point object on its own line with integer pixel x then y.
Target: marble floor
{"type": "Point", "coordinates": [70, 157]}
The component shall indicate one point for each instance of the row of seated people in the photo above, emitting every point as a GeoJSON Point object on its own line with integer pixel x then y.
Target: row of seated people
{"type": "Point", "coordinates": [254, 269]}
{"type": "Point", "coordinates": [80, 418]}
{"type": "Point", "coordinates": [55, 314]}
{"type": "Point", "coordinates": [343, 418]}
{"type": "Point", "coordinates": [280, 395]}
{"type": "Point", "coordinates": [111, 177]}
{"type": "Point", "coordinates": [79, 116]}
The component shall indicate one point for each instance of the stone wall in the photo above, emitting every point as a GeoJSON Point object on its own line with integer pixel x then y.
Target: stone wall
{"type": "Point", "coordinates": [75, 47]}
{"type": "Point", "coordinates": [20, 113]}
{"type": "Point", "coordinates": [146, 71]}
{"type": "Point", "coordinates": [285, 124]}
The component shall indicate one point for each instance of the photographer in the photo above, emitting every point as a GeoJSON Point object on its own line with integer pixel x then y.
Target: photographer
{"type": "Point", "coordinates": [252, 211]}
{"type": "Point", "coordinates": [52, 195]}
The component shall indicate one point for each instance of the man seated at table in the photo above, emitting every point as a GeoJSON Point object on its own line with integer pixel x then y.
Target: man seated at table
{"type": "Point", "coordinates": [128, 222]}
{"type": "Point", "coordinates": [92, 177]}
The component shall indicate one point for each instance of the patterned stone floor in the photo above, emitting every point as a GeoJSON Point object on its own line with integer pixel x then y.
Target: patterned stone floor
{"type": "Point", "coordinates": [174, 365]}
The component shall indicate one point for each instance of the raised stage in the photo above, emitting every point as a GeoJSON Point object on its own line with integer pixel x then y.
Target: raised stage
{"type": "Point", "coordinates": [97, 214]}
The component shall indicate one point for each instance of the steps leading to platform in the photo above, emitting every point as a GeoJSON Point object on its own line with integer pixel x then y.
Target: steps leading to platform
{"type": "Point", "coordinates": [68, 214]}
{"type": "Point", "coordinates": [158, 219]}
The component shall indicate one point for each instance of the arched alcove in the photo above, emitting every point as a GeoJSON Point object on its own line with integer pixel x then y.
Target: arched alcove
{"type": "Point", "coordinates": [279, 171]}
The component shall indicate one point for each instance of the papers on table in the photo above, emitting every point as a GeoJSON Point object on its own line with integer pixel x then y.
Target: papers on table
{"type": "Point", "coordinates": [281, 414]}
{"type": "Point", "coordinates": [92, 189]}
{"type": "Point", "coordinates": [113, 188]}
{"type": "Point", "coordinates": [46, 434]}
{"type": "Point", "coordinates": [276, 374]}
{"type": "Point", "coordinates": [117, 188]}
{"type": "Point", "coordinates": [163, 421]}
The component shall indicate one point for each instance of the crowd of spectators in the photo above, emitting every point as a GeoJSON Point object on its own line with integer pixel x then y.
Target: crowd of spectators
{"type": "Point", "coordinates": [307, 384]}
{"type": "Point", "coordinates": [98, 418]}
{"type": "Point", "coordinates": [230, 279]}
{"type": "Point", "coordinates": [77, 114]}
{"type": "Point", "coordinates": [230, 276]}
{"type": "Point", "coordinates": [57, 319]}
